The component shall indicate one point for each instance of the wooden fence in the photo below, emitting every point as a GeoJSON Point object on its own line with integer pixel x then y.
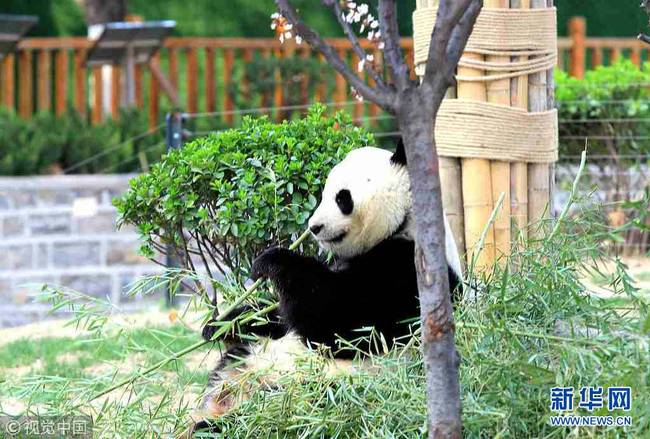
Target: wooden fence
{"type": "Point", "coordinates": [49, 74]}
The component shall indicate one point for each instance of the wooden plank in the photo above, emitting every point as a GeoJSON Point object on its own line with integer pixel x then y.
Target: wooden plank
{"type": "Point", "coordinates": [98, 96]}
{"type": "Point", "coordinates": [210, 83]}
{"type": "Point", "coordinates": [578, 33]}
{"type": "Point", "coordinates": [116, 88]}
{"type": "Point", "coordinates": [80, 101]}
{"type": "Point", "coordinates": [228, 106]}
{"type": "Point", "coordinates": [61, 81]}
{"type": "Point", "coordinates": [25, 93]}
{"type": "Point", "coordinates": [340, 90]}
{"type": "Point", "coordinates": [247, 57]}
{"type": "Point", "coordinates": [55, 43]}
{"type": "Point", "coordinates": [8, 82]}
{"type": "Point", "coordinates": [139, 95]}
{"type": "Point", "coordinates": [266, 54]}
{"type": "Point", "coordinates": [596, 57]}
{"type": "Point", "coordinates": [192, 80]}
{"type": "Point", "coordinates": [321, 88]}
{"type": "Point", "coordinates": [635, 55]}
{"type": "Point", "coordinates": [305, 55]}
{"type": "Point", "coordinates": [154, 98]}
{"type": "Point", "coordinates": [173, 67]}
{"type": "Point", "coordinates": [277, 90]}
{"type": "Point", "coordinates": [44, 85]}
{"type": "Point", "coordinates": [616, 54]}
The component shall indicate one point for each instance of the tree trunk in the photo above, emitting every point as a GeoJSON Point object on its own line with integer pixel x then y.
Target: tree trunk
{"type": "Point", "coordinates": [416, 120]}
{"type": "Point", "coordinates": [104, 11]}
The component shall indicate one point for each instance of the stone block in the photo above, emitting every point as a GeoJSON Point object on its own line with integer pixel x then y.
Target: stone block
{"type": "Point", "coordinates": [49, 224]}
{"type": "Point", "coordinates": [104, 222]}
{"type": "Point", "coordinates": [96, 285]}
{"type": "Point", "coordinates": [21, 199]}
{"type": "Point", "coordinates": [4, 201]}
{"type": "Point", "coordinates": [53, 197]}
{"type": "Point", "coordinates": [42, 256]}
{"type": "Point", "coordinates": [13, 226]}
{"type": "Point", "coordinates": [124, 253]}
{"type": "Point", "coordinates": [16, 257]}
{"type": "Point", "coordinates": [75, 254]}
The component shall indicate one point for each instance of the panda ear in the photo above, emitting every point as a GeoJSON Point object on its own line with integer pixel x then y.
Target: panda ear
{"type": "Point", "coordinates": [399, 157]}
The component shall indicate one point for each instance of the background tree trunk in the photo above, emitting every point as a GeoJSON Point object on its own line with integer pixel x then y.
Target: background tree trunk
{"type": "Point", "coordinates": [104, 11]}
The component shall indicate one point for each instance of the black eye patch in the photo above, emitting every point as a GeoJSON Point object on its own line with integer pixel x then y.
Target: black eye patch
{"type": "Point", "coordinates": [344, 201]}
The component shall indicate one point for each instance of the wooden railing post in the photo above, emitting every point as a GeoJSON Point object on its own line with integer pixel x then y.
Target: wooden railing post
{"type": "Point", "coordinates": [578, 34]}
{"type": "Point", "coordinates": [44, 82]}
{"type": "Point", "coordinates": [80, 101]}
{"type": "Point", "coordinates": [25, 101]}
{"type": "Point", "coordinates": [8, 82]}
{"type": "Point", "coordinates": [61, 81]}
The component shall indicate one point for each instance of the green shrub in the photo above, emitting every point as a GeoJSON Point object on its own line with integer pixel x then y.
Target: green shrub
{"type": "Point", "coordinates": [605, 107]}
{"type": "Point", "coordinates": [49, 144]}
{"type": "Point", "coordinates": [235, 192]}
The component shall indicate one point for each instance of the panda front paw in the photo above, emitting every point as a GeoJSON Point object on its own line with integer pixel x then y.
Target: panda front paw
{"type": "Point", "coordinates": [268, 264]}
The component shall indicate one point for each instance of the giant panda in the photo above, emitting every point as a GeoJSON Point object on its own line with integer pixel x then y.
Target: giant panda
{"type": "Point", "coordinates": [364, 221]}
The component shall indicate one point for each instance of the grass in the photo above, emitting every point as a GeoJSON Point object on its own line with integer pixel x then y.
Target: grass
{"type": "Point", "coordinates": [534, 326]}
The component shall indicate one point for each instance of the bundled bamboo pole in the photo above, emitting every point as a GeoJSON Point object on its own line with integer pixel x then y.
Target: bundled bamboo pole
{"type": "Point", "coordinates": [519, 170]}
{"type": "Point", "coordinates": [538, 173]}
{"type": "Point", "coordinates": [498, 92]}
{"type": "Point", "coordinates": [452, 195]}
{"type": "Point", "coordinates": [476, 176]}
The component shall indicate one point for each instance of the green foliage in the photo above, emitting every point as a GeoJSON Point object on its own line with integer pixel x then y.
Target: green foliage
{"type": "Point", "coordinates": [303, 76]}
{"type": "Point", "coordinates": [49, 144]}
{"type": "Point", "coordinates": [235, 192]}
{"type": "Point", "coordinates": [605, 107]}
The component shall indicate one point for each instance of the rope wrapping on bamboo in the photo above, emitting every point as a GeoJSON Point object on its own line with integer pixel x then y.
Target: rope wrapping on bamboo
{"type": "Point", "coordinates": [473, 129]}
{"type": "Point", "coordinates": [528, 33]}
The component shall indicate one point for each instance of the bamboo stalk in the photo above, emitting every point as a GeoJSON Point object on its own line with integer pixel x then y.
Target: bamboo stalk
{"type": "Point", "coordinates": [519, 171]}
{"type": "Point", "coordinates": [538, 173]}
{"type": "Point", "coordinates": [452, 195]}
{"type": "Point", "coordinates": [477, 180]}
{"type": "Point", "coordinates": [498, 92]}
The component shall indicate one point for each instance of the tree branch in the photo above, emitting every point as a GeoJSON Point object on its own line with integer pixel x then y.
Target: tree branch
{"type": "Point", "coordinates": [454, 24]}
{"type": "Point", "coordinates": [385, 97]}
{"type": "Point", "coordinates": [352, 37]}
{"type": "Point", "coordinates": [393, 50]}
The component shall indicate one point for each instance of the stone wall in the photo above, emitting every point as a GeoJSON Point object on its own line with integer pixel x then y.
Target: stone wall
{"type": "Point", "coordinates": [61, 230]}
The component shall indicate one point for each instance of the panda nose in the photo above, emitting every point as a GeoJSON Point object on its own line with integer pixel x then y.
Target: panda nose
{"type": "Point", "coordinates": [315, 229]}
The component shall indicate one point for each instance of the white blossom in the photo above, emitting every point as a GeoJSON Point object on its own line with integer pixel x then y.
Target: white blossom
{"type": "Point", "coordinates": [363, 9]}
{"type": "Point", "coordinates": [361, 65]}
{"type": "Point", "coordinates": [370, 57]}
{"type": "Point", "coordinates": [356, 94]}
{"type": "Point", "coordinates": [298, 40]}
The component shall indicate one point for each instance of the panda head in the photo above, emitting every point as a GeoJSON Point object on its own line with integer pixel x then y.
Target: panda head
{"type": "Point", "coordinates": [366, 199]}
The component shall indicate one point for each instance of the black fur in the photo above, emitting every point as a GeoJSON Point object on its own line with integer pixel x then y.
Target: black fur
{"type": "Point", "coordinates": [322, 303]}
{"type": "Point", "coordinates": [399, 157]}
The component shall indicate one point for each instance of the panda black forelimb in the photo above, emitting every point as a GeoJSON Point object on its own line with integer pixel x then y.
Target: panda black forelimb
{"type": "Point", "coordinates": [272, 326]}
